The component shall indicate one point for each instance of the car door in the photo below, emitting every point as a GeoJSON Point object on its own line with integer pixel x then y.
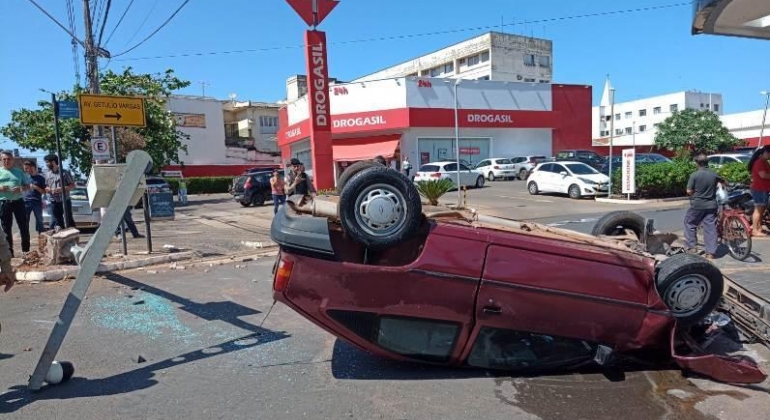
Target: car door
{"type": "Point", "coordinates": [450, 172]}
{"type": "Point", "coordinates": [467, 176]}
{"type": "Point", "coordinates": [561, 182]}
{"type": "Point", "coordinates": [545, 301]}
{"type": "Point", "coordinates": [544, 178]}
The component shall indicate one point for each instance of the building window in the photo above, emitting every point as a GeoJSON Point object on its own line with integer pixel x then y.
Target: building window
{"type": "Point", "coordinates": [618, 131]}
{"type": "Point", "coordinates": [231, 130]}
{"type": "Point", "coordinates": [527, 80]}
{"type": "Point", "coordinates": [642, 112]}
{"type": "Point", "coordinates": [449, 68]}
{"type": "Point", "coordinates": [628, 130]}
{"type": "Point", "coordinates": [629, 115]}
{"type": "Point", "coordinates": [642, 128]}
{"type": "Point", "coordinates": [485, 56]}
{"type": "Point", "coordinates": [673, 107]}
{"type": "Point", "coordinates": [656, 110]}
{"type": "Point", "coordinates": [716, 107]}
{"type": "Point", "coordinates": [267, 124]}
{"type": "Point", "coordinates": [529, 60]}
{"type": "Point", "coordinates": [544, 61]}
{"type": "Point", "coordinates": [483, 78]}
{"type": "Point", "coordinates": [435, 72]}
{"type": "Point", "coordinates": [617, 117]}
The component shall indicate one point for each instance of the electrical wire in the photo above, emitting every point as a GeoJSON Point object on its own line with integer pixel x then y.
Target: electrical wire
{"type": "Point", "coordinates": [141, 25]}
{"type": "Point", "coordinates": [417, 35]}
{"type": "Point", "coordinates": [57, 22]}
{"type": "Point", "coordinates": [73, 41]}
{"type": "Point", "coordinates": [109, 37]}
{"type": "Point", "coordinates": [104, 22]}
{"type": "Point", "coordinates": [184, 3]}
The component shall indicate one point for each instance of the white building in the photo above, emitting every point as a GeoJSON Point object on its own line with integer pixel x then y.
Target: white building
{"type": "Point", "coordinates": [636, 122]}
{"type": "Point", "coordinates": [226, 137]}
{"type": "Point", "coordinates": [747, 126]}
{"type": "Point", "coordinates": [492, 56]}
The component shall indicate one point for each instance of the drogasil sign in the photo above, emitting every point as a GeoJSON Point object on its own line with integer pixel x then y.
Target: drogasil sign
{"type": "Point", "coordinates": [320, 97]}
{"type": "Point", "coordinates": [374, 120]}
{"type": "Point", "coordinates": [490, 118]}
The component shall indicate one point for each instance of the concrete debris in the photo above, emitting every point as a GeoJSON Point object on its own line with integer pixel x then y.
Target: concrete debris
{"type": "Point", "coordinates": [171, 248]}
{"type": "Point", "coordinates": [152, 272]}
{"type": "Point", "coordinates": [254, 245]}
{"type": "Point", "coordinates": [57, 246]}
{"type": "Point", "coordinates": [139, 302]}
{"type": "Point", "coordinates": [140, 359]}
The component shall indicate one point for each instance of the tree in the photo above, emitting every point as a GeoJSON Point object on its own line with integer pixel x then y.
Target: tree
{"type": "Point", "coordinates": [34, 129]}
{"type": "Point", "coordinates": [695, 130]}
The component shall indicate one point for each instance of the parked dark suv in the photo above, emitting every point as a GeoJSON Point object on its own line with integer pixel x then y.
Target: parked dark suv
{"type": "Point", "coordinates": [588, 157]}
{"type": "Point", "coordinates": [254, 188]}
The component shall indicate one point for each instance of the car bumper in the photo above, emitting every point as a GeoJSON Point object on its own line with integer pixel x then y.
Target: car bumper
{"type": "Point", "coordinates": [302, 232]}
{"type": "Point", "coordinates": [507, 173]}
{"type": "Point", "coordinates": [594, 189]}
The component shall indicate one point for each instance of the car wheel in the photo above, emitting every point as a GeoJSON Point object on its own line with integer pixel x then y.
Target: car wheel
{"type": "Point", "coordinates": [523, 174]}
{"type": "Point", "coordinates": [574, 191]}
{"type": "Point", "coordinates": [258, 199]}
{"type": "Point", "coordinates": [245, 204]}
{"type": "Point", "coordinates": [616, 223]}
{"type": "Point", "coordinates": [480, 182]}
{"type": "Point", "coordinates": [690, 286]}
{"type": "Point", "coordinates": [354, 169]}
{"type": "Point", "coordinates": [380, 207]}
{"type": "Point", "coordinates": [532, 188]}
{"type": "Point", "coordinates": [491, 176]}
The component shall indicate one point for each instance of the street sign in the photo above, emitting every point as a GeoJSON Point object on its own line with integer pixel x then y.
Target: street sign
{"type": "Point", "coordinates": [68, 109]}
{"type": "Point", "coordinates": [120, 111]}
{"type": "Point", "coordinates": [629, 171]}
{"type": "Point", "coordinates": [100, 148]}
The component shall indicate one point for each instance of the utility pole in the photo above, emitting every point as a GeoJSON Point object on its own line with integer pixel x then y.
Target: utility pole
{"type": "Point", "coordinates": [92, 67]}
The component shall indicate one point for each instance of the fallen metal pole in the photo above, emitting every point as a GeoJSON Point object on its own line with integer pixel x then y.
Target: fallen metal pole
{"type": "Point", "coordinates": [88, 260]}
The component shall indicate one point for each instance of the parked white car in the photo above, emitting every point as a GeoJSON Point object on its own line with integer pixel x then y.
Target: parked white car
{"type": "Point", "coordinates": [523, 165]}
{"type": "Point", "coordinates": [437, 170]}
{"type": "Point", "coordinates": [724, 158]}
{"type": "Point", "coordinates": [566, 177]}
{"type": "Point", "coordinates": [494, 168]}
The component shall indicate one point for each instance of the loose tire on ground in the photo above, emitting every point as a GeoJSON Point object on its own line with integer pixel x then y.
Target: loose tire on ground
{"type": "Point", "coordinates": [380, 207]}
{"type": "Point", "coordinates": [354, 169]}
{"type": "Point", "coordinates": [615, 224]}
{"type": "Point", "coordinates": [690, 286]}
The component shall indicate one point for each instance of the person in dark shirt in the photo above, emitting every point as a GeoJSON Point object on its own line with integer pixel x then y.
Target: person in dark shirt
{"type": "Point", "coordinates": [702, 189]}
{"type": "Point", "coordinates": [33, 198]}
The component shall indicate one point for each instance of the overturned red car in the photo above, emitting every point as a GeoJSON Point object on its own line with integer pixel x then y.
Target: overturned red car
{"type": "Point", "coordinates": [378, 269]}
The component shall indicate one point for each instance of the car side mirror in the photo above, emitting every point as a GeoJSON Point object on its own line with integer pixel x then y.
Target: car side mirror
{"type": "Point", "coordinates": [563, 173]}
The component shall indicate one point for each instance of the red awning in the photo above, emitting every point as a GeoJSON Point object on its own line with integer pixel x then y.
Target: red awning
{"type": "Point", "coordinates": [363, 148]}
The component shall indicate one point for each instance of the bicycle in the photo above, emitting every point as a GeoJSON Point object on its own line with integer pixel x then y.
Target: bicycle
{"type": "Point", "coordinates": [733, 229]}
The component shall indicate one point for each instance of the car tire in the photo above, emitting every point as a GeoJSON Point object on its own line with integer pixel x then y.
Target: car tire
{"type": "Point", "coordinates": [615, 224]}
{"type": "Point", "coordinates": [245, 204]}
{"type": "Point", "coordinates": [532, 188]}
{"type": "Point", "coordinates": [480, 182]}
{"type": "Point", "coordinates": [398, 204]}
{"type": "Point", "coordinates": [258, 199]}
{"type": "Point", "coordinates": [352, 170]}
{"type": "Point", "coordinates": [690, 286]}
{"type": "Point", "coordinates": [523, 174]}
{"type": "Point", "coordinates": [491, 176]}
{"type": "Point", "coordinates": [574, 191]}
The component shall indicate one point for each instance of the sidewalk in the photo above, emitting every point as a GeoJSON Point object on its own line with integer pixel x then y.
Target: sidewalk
{"type": "Point", "coordinates": [754, 273]}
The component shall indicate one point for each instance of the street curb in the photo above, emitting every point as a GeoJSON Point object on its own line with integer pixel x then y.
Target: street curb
{"type": "Point", "coordinates": [622, 201]}
{"type": "Point", "coordinates": [59, 274]}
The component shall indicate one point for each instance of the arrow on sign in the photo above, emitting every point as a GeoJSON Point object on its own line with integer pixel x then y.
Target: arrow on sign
{"type": "Point", "coordinates": [115, 115]}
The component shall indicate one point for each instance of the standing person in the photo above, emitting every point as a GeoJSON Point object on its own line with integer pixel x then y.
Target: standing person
{"type": "Point", "coordinates": [128, 220]}
{"type": "Point", "coordinates": [33, 199]}
{"type": "Point", "coordinates": [702, 189]}
{"type": "Point", "coordinates": [278, 189]}
{"type": "Point", "coordinates": [7, 275]}
{"type": "Point", "coordinates": [759, 167]}
{"type": "Point", "coordinates": [183, 191]}
{"type": "Point", "coordinates": [54, 187]}
{"type": "Point", "coordinates": [290, 173]}
{"type": "Point", "coordinates": [13, 183]}
{"type": "Point", "coordinates": [407, 166]}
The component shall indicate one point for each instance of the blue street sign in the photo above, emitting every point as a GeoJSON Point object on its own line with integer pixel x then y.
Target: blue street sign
{"type": "Point", "coordinates": [68, 109]}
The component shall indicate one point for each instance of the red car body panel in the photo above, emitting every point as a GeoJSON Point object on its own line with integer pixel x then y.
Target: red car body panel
{"type": "Point", "coordinates": [480, 277]}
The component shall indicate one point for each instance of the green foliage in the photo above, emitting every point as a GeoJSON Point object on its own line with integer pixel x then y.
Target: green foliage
{"type": "Point", "coordinates": [735, 172]}
{"type": "Point", "coordinates": [434, 189]}
{"type": "Point", "coordinates": [203, 185]}
{"type": "Point", "coordinates": [34, 128]}
{"type": "Point", "coordinates": [699, 130]}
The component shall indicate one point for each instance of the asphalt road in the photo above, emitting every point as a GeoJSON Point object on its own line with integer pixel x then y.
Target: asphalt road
{"type": "Point", "coordinates": [212, 352]}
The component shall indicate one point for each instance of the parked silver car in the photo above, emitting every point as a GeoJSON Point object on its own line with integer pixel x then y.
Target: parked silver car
{"type": "Point", "coordinates": [523, 165]}
{"type": "Point", "coordinates": [84, 216]}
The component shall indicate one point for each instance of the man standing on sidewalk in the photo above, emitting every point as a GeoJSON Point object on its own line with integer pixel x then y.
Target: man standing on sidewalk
{"type": "Point", "coordinates": [54, 187]}
{"type": "Point", "coordinates": [13, 183]}
{"type": "Point", "coordinates": [33, 199]}
{"type": "Point", "coordinates": [702, 189]}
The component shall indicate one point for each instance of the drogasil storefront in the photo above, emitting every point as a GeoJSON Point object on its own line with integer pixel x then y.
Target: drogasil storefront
{"type": "Point", "coordinates": [414, 118]}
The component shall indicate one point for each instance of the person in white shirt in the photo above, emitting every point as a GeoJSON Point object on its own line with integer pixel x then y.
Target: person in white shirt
{"type": "Point", "coordinates": [406, 166]}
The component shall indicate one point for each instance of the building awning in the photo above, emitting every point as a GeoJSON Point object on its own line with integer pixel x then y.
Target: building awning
{"type": "Point", "coordinates": [743, 18]}
{"type": "Point", "coordinates": [363, 148]}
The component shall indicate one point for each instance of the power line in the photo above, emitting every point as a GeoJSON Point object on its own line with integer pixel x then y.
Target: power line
{"type": "Point", "coordinates": [119, 22]}
{"type": "Point", "coordinates": [417, 35]}
{"type": "Point", "coordinates": [57, 22]}
{"type": "Point", "coordinates": [155, 31]}
{"type": "Point", "coordinates": [73, 41]}
{"type": "Point", "coordinates": [104, 22]}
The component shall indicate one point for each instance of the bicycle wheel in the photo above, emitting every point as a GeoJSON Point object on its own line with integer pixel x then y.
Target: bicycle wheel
{"type": "Point", "coordinates": [736, 234]}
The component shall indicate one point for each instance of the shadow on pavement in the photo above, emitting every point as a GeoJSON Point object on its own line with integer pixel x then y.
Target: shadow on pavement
{"type": "Point", "coordinates": [20, 396]}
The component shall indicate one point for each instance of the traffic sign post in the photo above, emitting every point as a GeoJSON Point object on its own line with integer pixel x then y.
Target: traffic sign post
{"type": "Point", "coordinates": [100, 148]}
{"type": "Point", "coordinates": [68, 110]}
{"type": "Point", "coordinates": [121, 111]}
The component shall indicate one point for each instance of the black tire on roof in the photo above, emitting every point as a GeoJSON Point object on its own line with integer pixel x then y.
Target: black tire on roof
{"type": "Point", "coordinates": [615, 223]}
{"type": "Point", "coordinates": [354, 169]}
{"type": "Point", "coordinates": [690, 286]}
{"type": "Point", "coordinates": [380, 207]}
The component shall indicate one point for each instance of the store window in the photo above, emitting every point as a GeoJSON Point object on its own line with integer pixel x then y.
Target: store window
{"type": "Point", "coordinates": [472, 150]}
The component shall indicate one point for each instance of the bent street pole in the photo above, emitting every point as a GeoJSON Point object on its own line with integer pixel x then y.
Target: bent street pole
{"type": "Point", "coordinates": [88, 259]}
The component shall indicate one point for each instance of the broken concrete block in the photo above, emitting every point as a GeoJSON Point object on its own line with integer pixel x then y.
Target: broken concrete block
{"type": "Point", "coordinates": [56, 246]}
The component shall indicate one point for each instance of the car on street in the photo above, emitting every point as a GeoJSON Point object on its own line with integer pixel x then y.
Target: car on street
{"type": "Point", "coordinates": [588, 157]}
{"type": "Point", "coordinates": [720, 159]}
{"type": "Point", "coordinates": [85, 217]}
{"type": "Point", "coordinates": [448, 170]}
{"type": "Point", "coordinates": [639, 158]}
{"type": "Point", "coordinates": [253, 189]}
{"type": "Point", "coordinates": [523, 165]}
{"type": "Point", "coordinates": [406, 281]}
{"type": "Point", "coordinates": [495, 168]}
{"type": "Point", "coordinates": [564, 177]}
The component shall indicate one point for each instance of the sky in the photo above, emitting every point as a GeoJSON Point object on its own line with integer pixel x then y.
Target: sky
{"type": "Point", "coordinates": [250, 47]}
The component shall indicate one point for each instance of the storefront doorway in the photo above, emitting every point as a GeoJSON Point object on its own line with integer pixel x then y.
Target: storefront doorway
{"type": "Point", "coordinates": [472, 149]}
